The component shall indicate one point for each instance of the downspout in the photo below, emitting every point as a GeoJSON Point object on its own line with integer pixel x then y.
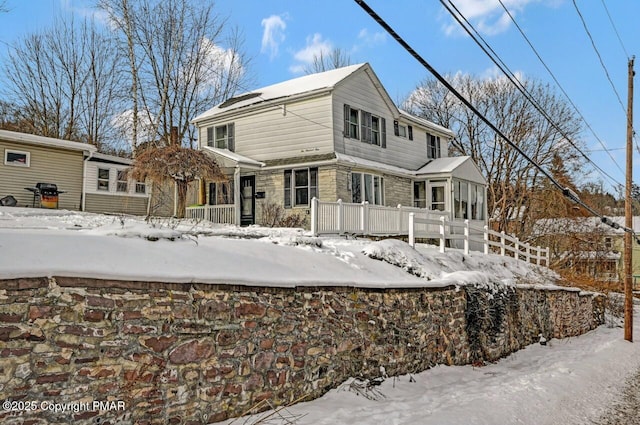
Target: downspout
{"type": "Point", "coordinates": [83, 194]}
{"type": "Point", "coordinates": [236, 194]}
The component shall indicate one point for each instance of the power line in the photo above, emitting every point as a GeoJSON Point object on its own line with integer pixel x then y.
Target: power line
{"type": "Point", "coordinates": [535, 51]}
{"type": "Point", "coordinates": [604, 67]}
{"type": "Point", "coordinates": [495, 58]}
{"type": "Point", "coordinates": [615, 29]}
{"type": "Point", "coordinates": [567, 192]}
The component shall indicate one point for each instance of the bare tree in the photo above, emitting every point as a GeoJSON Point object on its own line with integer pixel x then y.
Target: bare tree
{"type": "Point", "coordinates": [337, 58]}
{"type": "Point", "coordinates": [63, 82]}
{"type": "Point", "coordinates": [178, 66]}
{"type": "Point", "coordinates": [177, 164]}
{"type": "Point", "coordinates": [511, 178]}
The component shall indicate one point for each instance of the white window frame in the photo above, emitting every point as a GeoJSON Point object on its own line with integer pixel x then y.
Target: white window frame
{"type": "Point", "coordinates": [227, 141]}
{"type": "Point", "coordinates": [433, 146]}
{"type": "Point", "coordinates": [103, 180]}
{"type": "Point", "coordinates": [27, 156]}
{"type": "Point", "coordinates": [291, 188]}
{"type": "Point", "coordinates": [370, 188]}
{"type": "Point", "coordinates": [141, 188]}
{"type": "Point", "coordinates": [431, 203]}
{"type": "Point", "coordinates": [122, 186]}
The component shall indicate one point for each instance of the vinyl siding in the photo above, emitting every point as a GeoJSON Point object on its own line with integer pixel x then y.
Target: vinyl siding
{"type": "Point", "coordinates": [293, 130]}
{"type": "Point", "coordinates": [116, 204]}
{"type": "Point", "coordinates": [47, 164]}
{"type": "Point", "coordinates": [359, 92]}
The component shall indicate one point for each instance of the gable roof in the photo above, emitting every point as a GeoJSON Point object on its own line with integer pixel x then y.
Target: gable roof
{"type": "Point", "coordinates": [458, 166]}
{"type": "Point", "coordinates": [305, 85]}
{"type": "Point", "coordinates": [13, 136]}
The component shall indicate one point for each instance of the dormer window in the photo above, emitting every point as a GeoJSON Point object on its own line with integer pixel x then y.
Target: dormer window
{"type": "Point", "coordinates": [221, 136]}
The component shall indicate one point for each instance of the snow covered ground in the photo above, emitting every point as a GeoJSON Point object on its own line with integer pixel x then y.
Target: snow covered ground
{"type": "Point", "coordinates": [569, 381]}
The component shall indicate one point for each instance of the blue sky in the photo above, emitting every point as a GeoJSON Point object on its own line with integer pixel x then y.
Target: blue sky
{"type": "Point", "coordinates": [282, 35]}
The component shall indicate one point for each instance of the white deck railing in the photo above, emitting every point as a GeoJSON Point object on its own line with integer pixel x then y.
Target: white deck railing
{"type": "Point", "coordinates": [338, 218]}
{"type": "Point", "coordinates": [224, 214]}
{"type": "Point", "coordinates": [490, 240]}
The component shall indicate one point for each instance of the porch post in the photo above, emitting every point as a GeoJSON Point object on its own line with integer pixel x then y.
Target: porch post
{"type": "Point", "coordinates": [236, 195]}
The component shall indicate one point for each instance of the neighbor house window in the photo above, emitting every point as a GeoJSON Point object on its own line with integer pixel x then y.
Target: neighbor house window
{"type": "Point", "coordinates": [433, 146]}
{"type": "Point", "coordinates": [221, 136]}
{"type": "Point", "coordinates": [367, 187]}
{"type": "Point", "coordinates": [18, 158]}
{"type": "Point", "coordinates": [103, 179]}
{"type": "Point", "coordinates": [300, 186]}
{"type": "Point", "coordinates": [141, 188]}
{"type": "Point", "coordinates": [122, 185]}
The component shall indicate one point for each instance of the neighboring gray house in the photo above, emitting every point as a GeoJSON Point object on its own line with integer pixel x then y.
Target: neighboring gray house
{"type": "Point", "coordinates": [28, 160]}
{"type": "Point", "coordinates": [109, 188]}
{"type": "Point", "coordinates": [333, 135]}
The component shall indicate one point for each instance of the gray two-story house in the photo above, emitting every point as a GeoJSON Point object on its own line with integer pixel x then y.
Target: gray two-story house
{"type": "Point", "coordinates": [335, 135]}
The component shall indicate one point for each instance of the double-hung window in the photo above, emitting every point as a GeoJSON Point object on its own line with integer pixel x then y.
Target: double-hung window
{"type": "Point", "coordinates": [367, 187]}
{"type": "Point", "coordinates": [351, 122]}
{"type": "Point", "coordinates": [364, 126]}
{"type": "Point", "coordinates": [103, 179]}
{"type": "Point", "coordinates": [141, 188]}
{"type": "Point", "coordinates": [221, 193]}
{"type": "Point", "coordinates": [401, 130]}
{"type": "Point", "coordinates": [300, 186]}
{"type": "Point", "coordinates": [122, 185]}
{"type": "Point", "coordinates": [433, 147]}
{"type": "Point", "coordinates": [222, 136]}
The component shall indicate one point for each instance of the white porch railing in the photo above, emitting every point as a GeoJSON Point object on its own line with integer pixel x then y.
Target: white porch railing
{"type": "Point", "coordinates": [490, 240]}
{"type": "Point", "coordinates": [224, 214]}
{"type": "Point", "coordinates": [337, 218]}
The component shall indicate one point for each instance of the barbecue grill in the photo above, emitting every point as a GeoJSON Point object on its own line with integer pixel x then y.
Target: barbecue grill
{"type": "Point", "coordinates": [46, 193]}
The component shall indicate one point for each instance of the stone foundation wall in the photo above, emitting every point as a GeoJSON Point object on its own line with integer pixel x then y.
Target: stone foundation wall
{"type": "Point", "coordinates": [160, 353]}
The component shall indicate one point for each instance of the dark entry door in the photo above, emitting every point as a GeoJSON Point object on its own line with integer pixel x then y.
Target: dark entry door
{"type": "Point", "coordinates": [247, 200]}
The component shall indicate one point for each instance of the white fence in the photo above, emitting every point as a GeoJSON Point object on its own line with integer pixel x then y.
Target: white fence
{"type": "Point", "coordinates": [490, 240]}
{"type": "Point", "coordinates": [338, 218]}
{"type": "Point", "coordinates": [214, 213]}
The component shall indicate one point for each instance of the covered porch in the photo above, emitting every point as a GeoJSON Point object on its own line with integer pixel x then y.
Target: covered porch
{"type": "Point", "coordinates": [233, 201]}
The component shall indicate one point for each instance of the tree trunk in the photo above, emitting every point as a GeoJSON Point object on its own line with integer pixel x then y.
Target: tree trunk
{"type": "Point", "coordinates": [181, 187]}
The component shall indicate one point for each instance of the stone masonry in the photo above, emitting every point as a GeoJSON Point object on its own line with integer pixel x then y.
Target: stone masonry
{"type": "Point", "coordinates": [110, 352]}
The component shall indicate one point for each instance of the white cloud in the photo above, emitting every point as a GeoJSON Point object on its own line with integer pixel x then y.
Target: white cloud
{"type": "Point", "coordinates": [371, 39]}
{"type": "Point", "coordinates": [487, 16]}
{"type": "Point", "coordinates": [314, 48]}
{"type": "Point", "coordinates": [273, 34]}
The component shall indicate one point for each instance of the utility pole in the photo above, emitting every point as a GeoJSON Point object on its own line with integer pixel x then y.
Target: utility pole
{"type": "Point", "coordinates": [628, 278]}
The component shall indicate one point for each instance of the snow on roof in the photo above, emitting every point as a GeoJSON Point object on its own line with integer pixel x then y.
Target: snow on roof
{"type": "Point", "coordinates": [305, 84]}
{"type": "Point", "coordinates": [443, 165]}
{"type": "Point", "coordinates": [233, 157]}
{"type": "Point", "coordinates": [14, 136]}
{"type": "Point", "coordinates": [426, 123]}
{"type": "Point", "coordinates": [111, 158]}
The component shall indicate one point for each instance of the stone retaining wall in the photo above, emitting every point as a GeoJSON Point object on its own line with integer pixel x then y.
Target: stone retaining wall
{"type": "Point", "coordinates": [162, 353]}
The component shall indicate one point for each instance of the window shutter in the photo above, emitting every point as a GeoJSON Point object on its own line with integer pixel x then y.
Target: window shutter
{"type": "Point", "coordinates": [347, 112]}
{"type": "Point", "coordinates": [209, 136]}
{"type": "Point", "coordinates": [438, 152]}
{"type": "Point", "coordinates": [383, 131]}
{"type": "Point", "coordinates": [287, 188]}
{"type": "Point", "coordinates": [396, 128]}
{"type": "Point", "coordinates": [410, 133]}
{"type": "Point", "coordinates": [231, 143]}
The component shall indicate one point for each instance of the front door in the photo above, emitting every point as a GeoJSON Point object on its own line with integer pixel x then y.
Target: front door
{"type": "Point", "coordinates": [247, 200]}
